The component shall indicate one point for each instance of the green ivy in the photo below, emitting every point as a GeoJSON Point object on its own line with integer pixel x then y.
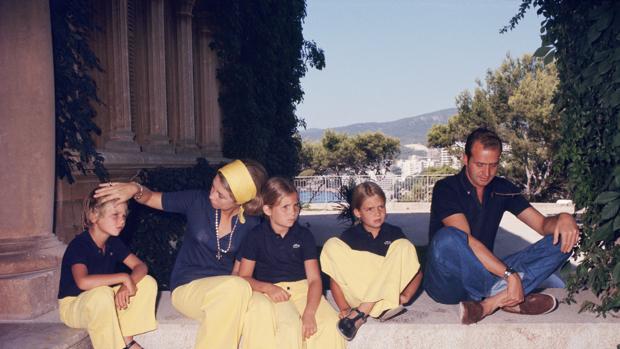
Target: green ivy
{"type": "Point", "coordinates": [584, 39]}
{"type": "Point", "coordinates": [75, 90]}
{"type": "Point", "coordinates": [262, 57]}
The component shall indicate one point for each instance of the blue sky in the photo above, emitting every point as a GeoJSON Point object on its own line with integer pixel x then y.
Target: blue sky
{"type": "Point", "coordinates": [391, 59]}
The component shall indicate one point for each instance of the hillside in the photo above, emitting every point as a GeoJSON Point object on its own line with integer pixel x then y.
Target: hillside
{"type": "Point", "coordinates": [409, 130]}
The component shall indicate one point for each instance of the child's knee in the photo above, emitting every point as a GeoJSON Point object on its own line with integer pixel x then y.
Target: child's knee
{"type": "Point", "coordinates": [401, 244]}
{"type": "Point", "coordinates": [100, 300]}
{"type": "Point", "coordinates": [239, 288]}
{"type": "Point", "coordinates": [333, 244]}
{"type": "Point", "coordinates": [260, 303]}
{"type": "Point", "coordinates": [147, 284]}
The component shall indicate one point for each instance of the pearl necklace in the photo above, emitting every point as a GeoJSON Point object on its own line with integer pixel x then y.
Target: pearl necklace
{"type": "Point", "coordinates": [219, 252]}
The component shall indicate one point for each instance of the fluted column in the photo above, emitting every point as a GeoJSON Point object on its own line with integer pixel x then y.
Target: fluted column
{"type": "Point", "coordinates": [120, 136]}
{"type": "Point", "coordinates": [185, 83]}
{"type": "Point", "coordinates": [29, 252]}
{"type": "Point", "coordinates": [209, 112]}
{"type": "Point", "coordinates": [158, 140]}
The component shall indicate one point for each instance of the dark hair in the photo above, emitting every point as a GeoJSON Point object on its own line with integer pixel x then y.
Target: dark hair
{"type": "Point", "coordinates": [488, 138]}
{"type": "Point", "coordinates": [365, 190]}
{"type": "Point", "coordinates": [274, 189]}
{"type": "Point", "coordinates": [92, 205]}
{"type": "Point", "coordinates": [259, 176]}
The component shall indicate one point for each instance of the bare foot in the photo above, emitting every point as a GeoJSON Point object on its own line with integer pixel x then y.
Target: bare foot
{"type": "Point", "coordinates": [404, 299]}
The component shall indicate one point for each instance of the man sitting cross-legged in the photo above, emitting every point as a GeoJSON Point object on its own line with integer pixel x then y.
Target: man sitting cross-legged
{"type": "Point", "coordinates": [465, 214]}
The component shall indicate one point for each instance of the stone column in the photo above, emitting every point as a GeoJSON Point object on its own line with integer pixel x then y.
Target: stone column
{"type": "Point", "coordinates": [29, 252]}
{"type": "Point", "coordinates": [208, 104]}
{"type": "Point", "coordinates": [158, 140]}
{"type": "Point", "coordinates": [185, 83]}
{"type": "Point", "coordinates": [120, 137]}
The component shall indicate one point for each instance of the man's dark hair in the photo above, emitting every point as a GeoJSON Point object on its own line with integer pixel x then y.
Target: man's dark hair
{"type": "Point", "coordinates": [488, 138]}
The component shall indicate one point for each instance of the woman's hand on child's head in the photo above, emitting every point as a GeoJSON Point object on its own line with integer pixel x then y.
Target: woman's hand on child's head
{"type": "Point", "coordinates": [278, 294]}
{"type": "Point", "coordinates": [308, 325]}
{"type": "Point", "coordinates": [116, 191]}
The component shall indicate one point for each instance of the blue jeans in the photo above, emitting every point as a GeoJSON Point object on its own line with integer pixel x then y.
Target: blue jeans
{"type": "Point", "coordinates": [453, 272]}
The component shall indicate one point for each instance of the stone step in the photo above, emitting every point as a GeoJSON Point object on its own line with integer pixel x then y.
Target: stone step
{"type": "Point", "coordinates": [427, 324]}
{"type": "Point", "coordinates": [48, 335]}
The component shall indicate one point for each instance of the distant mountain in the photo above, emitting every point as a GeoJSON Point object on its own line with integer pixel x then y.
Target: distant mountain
{"type": "Point", "coordinates": [409, 130]}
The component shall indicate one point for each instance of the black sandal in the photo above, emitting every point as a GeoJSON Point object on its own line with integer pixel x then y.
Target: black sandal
{"type": "Point", "coordinates": [346, 325]}
{"type": "Point", "coordinates": [130, 344]}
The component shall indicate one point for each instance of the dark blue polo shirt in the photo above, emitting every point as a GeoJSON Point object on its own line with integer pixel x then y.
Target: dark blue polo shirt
{"type": "Point", "coordinates": [196, 258]}
{"type": "Point", "coordinates": [83, 250]}
{"type": "Point", "coordinates": [455, 194]}
{"type": "Point", "coordinates": [279, 259]}
{"type": "Point", "coordinates": [359, 239]}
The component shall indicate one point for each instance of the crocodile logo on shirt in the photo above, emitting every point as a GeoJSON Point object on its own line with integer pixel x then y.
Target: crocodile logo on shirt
{"type": "Point", "coordinates": [388, 242]}
{"type": "Point", "coordinates": [296, 245]}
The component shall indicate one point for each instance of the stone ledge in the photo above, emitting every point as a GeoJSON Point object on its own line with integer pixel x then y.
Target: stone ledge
{"type": "Point", "coordinates": [427, 324]}
{"type": "Point", "coordinates": [42, 335]}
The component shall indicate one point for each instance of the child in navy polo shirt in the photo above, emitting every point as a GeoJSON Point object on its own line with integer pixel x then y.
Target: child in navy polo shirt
{"type": "Point", "coordinates": [373, 268]}
{"type": "Point", "coordinates": [279, 260]}
{"type": "Point", "coordinates": [112, 306]}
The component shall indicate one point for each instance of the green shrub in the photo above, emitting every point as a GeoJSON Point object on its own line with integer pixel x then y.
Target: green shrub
{"type": "Point", "coordinates": [582, 37]}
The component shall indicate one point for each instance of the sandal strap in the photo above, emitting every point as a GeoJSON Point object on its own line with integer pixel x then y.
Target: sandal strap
{"type": "Point", "coordinates": [130, 344]}
{"type": "Point", "coordinates": [360, 315]}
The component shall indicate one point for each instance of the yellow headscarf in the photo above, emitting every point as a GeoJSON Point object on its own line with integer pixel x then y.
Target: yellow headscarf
{"type": "Point", "coordinates": [240, 182]}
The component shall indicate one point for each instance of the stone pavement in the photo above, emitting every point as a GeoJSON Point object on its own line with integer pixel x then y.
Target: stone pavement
{"type": "Point", "coordinates": [425, 325]}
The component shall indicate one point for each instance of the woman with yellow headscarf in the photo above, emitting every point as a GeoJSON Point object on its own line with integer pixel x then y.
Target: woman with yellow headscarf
{"type": "Point", "coordinates": [204, 281]}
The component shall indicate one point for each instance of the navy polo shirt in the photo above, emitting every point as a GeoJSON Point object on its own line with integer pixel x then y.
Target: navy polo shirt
{"type": "Point", "coordinates": [197, 256]}
{"type": "Point", "coordinates": [359, 239]}
{"type": "Point", "coordinates": [455, 194]}
{"type": "Point", "coordinates": [279, 258]}
{"type": "Point", "coordinates": [83, 250]}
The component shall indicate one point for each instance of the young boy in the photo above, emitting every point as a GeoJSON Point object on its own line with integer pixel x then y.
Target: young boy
{"type": "Point", "coordinates": [112, 306]}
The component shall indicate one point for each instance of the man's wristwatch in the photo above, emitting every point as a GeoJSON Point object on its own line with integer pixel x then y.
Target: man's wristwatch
{"type": "Point", "coordinates": [509, 271]}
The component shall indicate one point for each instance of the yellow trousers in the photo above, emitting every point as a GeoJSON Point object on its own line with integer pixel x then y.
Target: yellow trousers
{"type": "Point", "coordinates": [96, 311]}
{"type": "Point", "coordinates": [365, 277]}
{"type": "Point", "coordinates": [287, 316]}
{"type": "Point", "coordinates": [220, 304]}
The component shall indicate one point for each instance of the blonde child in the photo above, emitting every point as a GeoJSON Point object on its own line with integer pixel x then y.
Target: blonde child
{"type": "Point", "coordinates": [279, 260]}
{"type": "Point", "coordinates": [112, 306]}
{"type": "Point", "coordinates": [373, 268]}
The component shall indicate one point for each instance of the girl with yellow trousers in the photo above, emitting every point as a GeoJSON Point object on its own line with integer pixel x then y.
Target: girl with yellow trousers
{"type": "Point", "coordinates": [113, 307]}
{"type": "Point", "coordinates": [279, 260]}
{"type": "Point", "coordinates": [204, 281]}
{"type": "Point", "coordinates": [373, 268]}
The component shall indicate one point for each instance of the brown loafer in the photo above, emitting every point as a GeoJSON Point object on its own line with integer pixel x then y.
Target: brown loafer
{"type": "Point", "coordinates": [534, 304]}
{"type": "Point", "coordinates": [470, 312]}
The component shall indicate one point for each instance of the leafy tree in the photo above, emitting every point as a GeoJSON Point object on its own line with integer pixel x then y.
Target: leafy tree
{"type": "Point", "coordinates": [339, 153]}
{"type": "Point", "coordinates": [440, 170]}
{"type": "Point", "coordinates": [262, 57]}
{"type": "Point", "coordinates": [379, 151]}
{"type": "Point", "coordinates": [582, 38]}
{"type": "Point", "coordinates": [516, 100]}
